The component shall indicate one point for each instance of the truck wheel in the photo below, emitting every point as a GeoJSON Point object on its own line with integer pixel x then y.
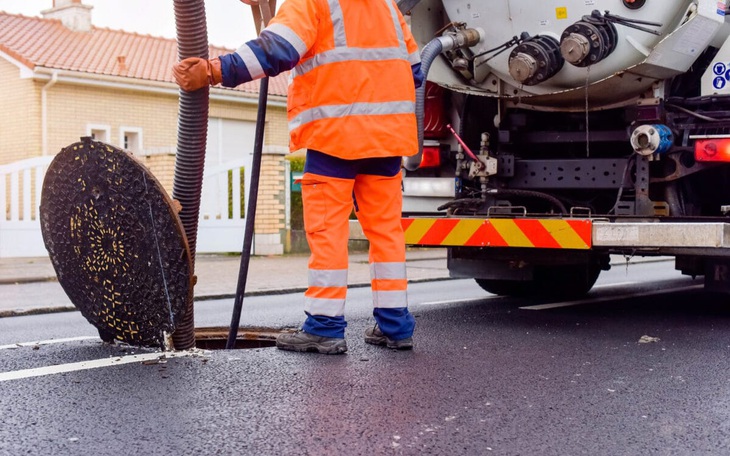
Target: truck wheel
{"type": "Point", "coordinates": [571, 281]}
{"type": "Point", "coordinates": [514, 288]}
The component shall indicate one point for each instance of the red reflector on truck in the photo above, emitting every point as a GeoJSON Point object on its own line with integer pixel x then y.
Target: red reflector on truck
{"type": "Point", "coordinates": [474, 232]}
{"type": "Point", "coordinates": [713, 150]}
{"type": "Point", "coordinates": [431, 157]}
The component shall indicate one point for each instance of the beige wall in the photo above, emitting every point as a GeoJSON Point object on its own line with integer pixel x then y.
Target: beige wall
{"type": "Point", "coordinates": [72, 108]}
{"type": "Point", "coordinates": [270, 207]}
{"type": "Point", "coordinates": [20, 116]}
{"type": "Point", "coordinates": [277, 130]}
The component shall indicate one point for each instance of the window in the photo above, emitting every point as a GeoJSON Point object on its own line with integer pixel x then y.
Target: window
{"type": "Point", "coordinates": [130, 138]}
{"type": "Point", "coordinates": [99, 132]}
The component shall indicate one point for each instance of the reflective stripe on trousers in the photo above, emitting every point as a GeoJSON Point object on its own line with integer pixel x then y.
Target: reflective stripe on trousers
{"type": "Point", "coordinates": [328, 204]}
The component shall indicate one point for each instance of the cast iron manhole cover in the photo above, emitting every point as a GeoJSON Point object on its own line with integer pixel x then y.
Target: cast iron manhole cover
{"type": "Point", "coordinates": [116, 243]}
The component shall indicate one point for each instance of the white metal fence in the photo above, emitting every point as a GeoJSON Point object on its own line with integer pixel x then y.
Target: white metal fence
{"type": "Point", "coordinates": [222, 220]}
{"type": "Point", "coordinates": [220, 227]}
{"type": "Point", "coordinates": [20, 195]}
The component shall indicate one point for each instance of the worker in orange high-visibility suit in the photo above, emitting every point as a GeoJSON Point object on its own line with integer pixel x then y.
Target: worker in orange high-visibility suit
{"type": "Point", "coordinates": [351, 103]}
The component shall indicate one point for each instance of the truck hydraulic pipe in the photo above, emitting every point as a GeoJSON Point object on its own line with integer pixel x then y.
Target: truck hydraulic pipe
{"type": "Point", "coordinates": [463, 144]}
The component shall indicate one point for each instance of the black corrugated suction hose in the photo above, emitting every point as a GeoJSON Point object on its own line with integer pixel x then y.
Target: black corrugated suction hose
{"type": "Point", "coordinates": [192, 130]}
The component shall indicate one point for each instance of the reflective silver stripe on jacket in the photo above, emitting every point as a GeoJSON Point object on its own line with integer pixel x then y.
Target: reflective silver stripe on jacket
{"type": "Point", "coordinates": [328, 307]}
{"type": "Point", "coordinates": [338, 23]}
{"type": "Point", "coordinates": [414, 58]}
{"type": "Point", "coordinates": [343, 53]}
{"type": "Point", "coordinates": [327, 278]}
{"type": "Point", "coordinates": [390, 299]}
{"type": "Point", "coordinates": [355, 109]}
{"type": "Point", "coordinates": [347, 54]}
{"type": "Point", "coordinates": [251, 61]}
{"type": "Point", "coordinates": [290, 36]}
{"type": "Point", "coordinates": [388, 271]}
{"type": "Point", "coordinates": [396, 23]}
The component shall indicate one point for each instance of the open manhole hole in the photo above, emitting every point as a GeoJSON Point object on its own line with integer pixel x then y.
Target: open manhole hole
{"type": "Point", "coordinates": [252, 337]}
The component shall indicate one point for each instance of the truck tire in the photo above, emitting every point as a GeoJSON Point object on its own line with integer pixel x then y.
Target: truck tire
{"type": "Point", "coordinates": [567, 281]}
{"type": "Point", "coordinates": [512, 288]}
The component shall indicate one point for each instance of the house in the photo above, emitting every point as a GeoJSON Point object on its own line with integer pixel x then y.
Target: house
{"type": "Point", "coordinates": [62, 78]}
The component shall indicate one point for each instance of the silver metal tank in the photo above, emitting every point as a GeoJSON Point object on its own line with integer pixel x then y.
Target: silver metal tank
{"type": "Point", "coordinates": [625, 73]}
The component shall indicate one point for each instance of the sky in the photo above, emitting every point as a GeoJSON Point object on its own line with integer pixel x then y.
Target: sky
{"type": "Point", "coordinates": [230, 22]}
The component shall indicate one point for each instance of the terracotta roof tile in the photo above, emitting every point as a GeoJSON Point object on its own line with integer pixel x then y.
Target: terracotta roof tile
{"type": "Point", "coordinates": [47, 43]}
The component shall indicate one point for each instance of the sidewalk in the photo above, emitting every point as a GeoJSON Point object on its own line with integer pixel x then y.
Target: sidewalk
{"type": "Point", "coordinates": [29, 285]}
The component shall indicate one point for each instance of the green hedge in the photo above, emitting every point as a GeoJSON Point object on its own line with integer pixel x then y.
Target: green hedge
{"type": "Point", "coordinates": [297, 214]}
{"type": "Point", "coordinates": [298, 241]}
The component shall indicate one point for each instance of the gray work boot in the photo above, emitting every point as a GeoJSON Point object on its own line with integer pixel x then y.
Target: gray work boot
{"type": "Point", "coordinates": [375, 336]}
{"type": "Point", "coordinates": [301, 341]}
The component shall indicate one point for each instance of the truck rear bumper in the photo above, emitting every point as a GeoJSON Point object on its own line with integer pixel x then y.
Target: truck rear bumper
{"type": "Point", "coordinates": [647, 235]}
{"type": "Point", "coordinates": [573, 233]}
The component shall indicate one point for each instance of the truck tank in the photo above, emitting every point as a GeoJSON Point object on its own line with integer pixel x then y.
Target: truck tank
{"type": "Point", "coordinates": [554, 55]}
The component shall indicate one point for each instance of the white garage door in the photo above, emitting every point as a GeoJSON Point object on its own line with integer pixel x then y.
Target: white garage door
{"type": "Point", "coordinates": [226, 182]}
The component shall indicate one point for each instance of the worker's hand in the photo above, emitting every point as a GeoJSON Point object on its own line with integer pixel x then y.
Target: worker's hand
{"type": "Point", "coordinates": [194, 73]}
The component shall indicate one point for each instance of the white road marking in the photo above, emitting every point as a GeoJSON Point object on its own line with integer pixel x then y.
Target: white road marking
{"type": "Point", "coordinates": [490, 296]}
{"type": "Point", "coordinates": [47, 342]}
{"type": "Point", "coordinates": [609, 285]}
{"type": "Point", "coordinates": [556, 305]}
{"type": "Point", "coordinates": [92, 364]}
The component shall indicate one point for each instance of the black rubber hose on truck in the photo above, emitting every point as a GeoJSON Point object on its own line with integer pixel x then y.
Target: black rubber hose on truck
{"type": "Point", "coordinates": [432, 50]}
{"type": "Point", "coordinates": [192, 131]}
{"type": "Point", "coordinates": [463, 38]}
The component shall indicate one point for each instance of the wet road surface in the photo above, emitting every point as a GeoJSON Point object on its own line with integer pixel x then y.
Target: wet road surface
{"type": "Point", "coordinates": [610, 375]}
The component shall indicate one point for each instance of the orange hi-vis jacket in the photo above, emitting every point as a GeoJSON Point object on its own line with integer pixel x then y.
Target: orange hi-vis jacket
{"type": "Point", "coordinates": [352, 93]}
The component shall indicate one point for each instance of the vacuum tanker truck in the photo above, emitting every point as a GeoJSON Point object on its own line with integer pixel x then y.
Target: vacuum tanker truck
{"type": "Point", "coordinates": [556, 134]}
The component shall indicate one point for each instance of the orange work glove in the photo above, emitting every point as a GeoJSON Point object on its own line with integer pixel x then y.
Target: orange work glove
{"type": "Point", "coordinates": [194, 73]}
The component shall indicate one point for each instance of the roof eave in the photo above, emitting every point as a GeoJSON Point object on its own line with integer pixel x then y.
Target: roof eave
{"type": "Point", "coordinates": [145, 85]}
{"type": "Point", "coordinates": [24, 65]}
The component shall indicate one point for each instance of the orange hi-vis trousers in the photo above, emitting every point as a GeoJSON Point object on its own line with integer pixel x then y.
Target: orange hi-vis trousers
{"type": "Point", "coordinates": [328, 203]}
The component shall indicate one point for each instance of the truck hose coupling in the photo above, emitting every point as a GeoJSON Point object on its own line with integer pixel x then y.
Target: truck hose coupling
{"type": "Point", "coordinates": [461, 39]}
{"type": "Point", "coordinates": [651, 139]}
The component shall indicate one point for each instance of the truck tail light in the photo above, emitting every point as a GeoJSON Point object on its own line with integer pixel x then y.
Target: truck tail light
{"type": "Point", "coordinates": [435, 116]}
{"type": "Point", "coordinates": [712, 150]}
{"type": "Point", "coordinates": [431, 156]}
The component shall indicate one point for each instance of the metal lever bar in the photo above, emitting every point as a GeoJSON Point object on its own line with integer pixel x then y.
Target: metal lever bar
{"type": "Point", "coordinates": [265, 8]}
{"type": "Point", "coordinates": [262, 14]}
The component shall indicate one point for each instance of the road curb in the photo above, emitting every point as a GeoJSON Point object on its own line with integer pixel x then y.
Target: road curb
{"type": "Point", "coordinates": [209, 297]}
{"type": "Point", "coordinates": [26, 280]}
{"type": "Point", "coordinates": [35, 311]}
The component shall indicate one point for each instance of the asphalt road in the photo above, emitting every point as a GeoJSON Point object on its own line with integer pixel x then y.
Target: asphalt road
{"type": "Point", "coordinates": [489, 375]}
